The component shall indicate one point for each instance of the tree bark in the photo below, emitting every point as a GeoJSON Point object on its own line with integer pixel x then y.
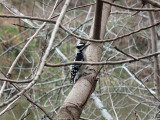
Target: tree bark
{"type": "Point", "coordinates": [81, 91]}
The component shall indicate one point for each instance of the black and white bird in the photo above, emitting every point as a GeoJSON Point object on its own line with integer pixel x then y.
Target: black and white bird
{"type": "Point", "coordinates": [78, 69]}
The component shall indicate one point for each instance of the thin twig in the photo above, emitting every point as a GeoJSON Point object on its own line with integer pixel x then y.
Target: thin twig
{"type": "Point", "coordinates": [8, 107]}
{"type": "Point", "coordinates": [125, 53]}
{"type": "Point", "coordinates": [15, 81]}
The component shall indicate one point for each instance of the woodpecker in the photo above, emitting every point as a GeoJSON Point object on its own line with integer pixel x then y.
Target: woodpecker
{"type": "Point", "coordinates": [78, 69]}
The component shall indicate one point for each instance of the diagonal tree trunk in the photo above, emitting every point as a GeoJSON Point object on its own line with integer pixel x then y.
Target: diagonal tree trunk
{"type": "Point", "coordinates": [81, 91]}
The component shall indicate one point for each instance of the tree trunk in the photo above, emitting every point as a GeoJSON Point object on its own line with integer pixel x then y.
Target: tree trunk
{"type": "Point", "coordinates": [81, 91]}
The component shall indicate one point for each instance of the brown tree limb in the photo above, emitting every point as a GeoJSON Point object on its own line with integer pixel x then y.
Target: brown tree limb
{"type": "Point", "coordinates": [15, 81]}
{"type": "Point", "coordinates": [113, 39]}
{"type": "Point", "coordinates": [79, 37]}
{"type": "Point", "coordinates": [105, 62]}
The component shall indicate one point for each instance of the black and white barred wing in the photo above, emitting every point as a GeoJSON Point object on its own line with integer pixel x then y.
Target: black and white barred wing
{"type": "Point", "coordinates": [74, 72]}
{"type": "Point", "coordinates": [75, 68]}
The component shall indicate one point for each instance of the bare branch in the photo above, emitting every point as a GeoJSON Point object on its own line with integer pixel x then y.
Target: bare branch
{"type": "Point", "coordinates": [133, 9]}
{"type": "Point", "coordinates": [103, 63]}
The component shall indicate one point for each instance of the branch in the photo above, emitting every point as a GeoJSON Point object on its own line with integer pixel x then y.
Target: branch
{"type": "Point", "coordinates": [77, 98]}
{"type": "Point", "coordinates": [110, 40]}
{"type": "Point", "coordinates": [29, 41]}
{"type": "Point", "coordinates": [152, 2]}
{"type": "Point", "coordinates": [29, 17]}
{"type": "Point", "coordinates": [75, 8]}
{"type": "Point", "coordinates": [125, 53]}
{"type": "Point", "coordinates": [82, 38]}
{"type": "Point", "coordinates": [103, 63]}
{"type": "Point", "coordinates": [101, 108]}
{"type": "Point", "coordinates": [15, 81]}
{"type": "Point", "coordinates": [8, 107]}
{"type": "Point", "coordinates": [137, 80]}
{"type": "Point", "coordinates": [34, 103]}
{"type": "Point", "coordinates": [133, 9]}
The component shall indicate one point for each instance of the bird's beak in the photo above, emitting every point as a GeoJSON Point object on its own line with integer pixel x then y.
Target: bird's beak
{"type": "Point", "coordinates": [86, 46]}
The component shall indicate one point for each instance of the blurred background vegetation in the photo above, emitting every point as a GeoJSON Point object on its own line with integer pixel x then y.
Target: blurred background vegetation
{"type": "Point", "coordinates": [116, 85]}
